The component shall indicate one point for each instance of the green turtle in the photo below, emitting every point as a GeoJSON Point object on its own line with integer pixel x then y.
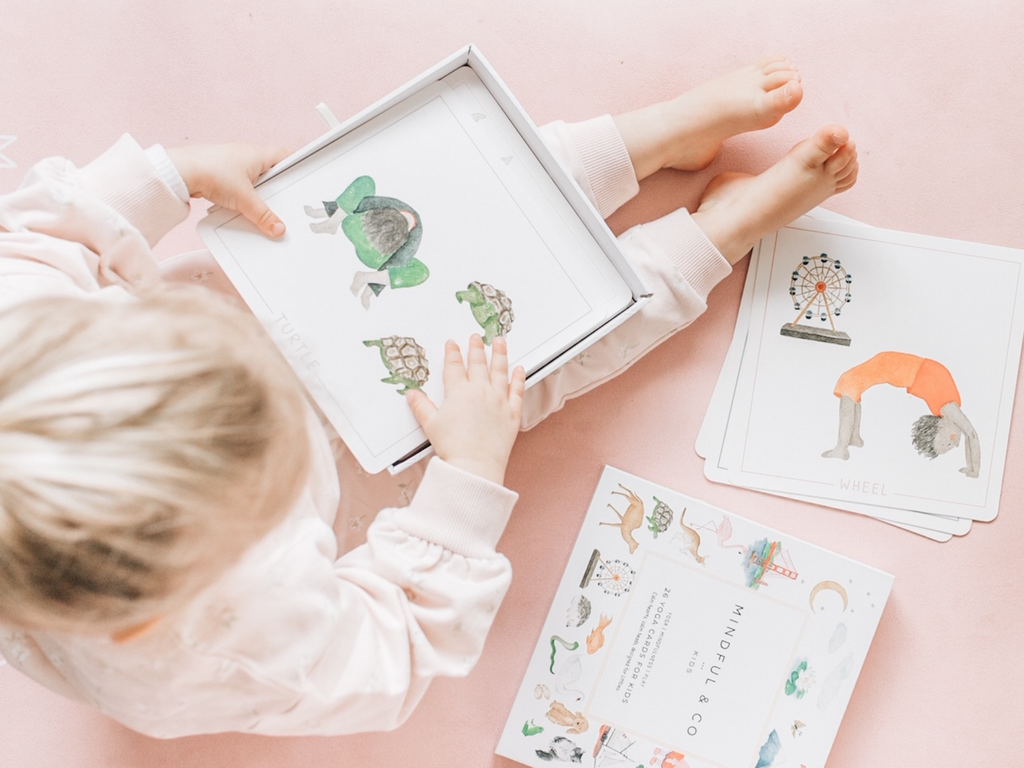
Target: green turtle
{"type": "Point", "coordinates": [405, 360]}
{"type": "Point", "coordinates": [492, 309]}
{"type": "Point", "coordinates": [660, 518]}
{"type": "Point", "coordinates": [385, 232]}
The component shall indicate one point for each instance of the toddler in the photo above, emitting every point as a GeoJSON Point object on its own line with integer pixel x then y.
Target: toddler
{"type": "Point", "coordinates": [167, 494]}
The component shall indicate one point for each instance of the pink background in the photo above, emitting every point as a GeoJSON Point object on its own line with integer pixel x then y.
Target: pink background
{"type": "Point", "coordinates": [931, 91]}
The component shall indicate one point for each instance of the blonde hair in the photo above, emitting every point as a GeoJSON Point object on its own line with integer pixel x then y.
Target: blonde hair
{"type": "Point", "coordinates": [144, 446]}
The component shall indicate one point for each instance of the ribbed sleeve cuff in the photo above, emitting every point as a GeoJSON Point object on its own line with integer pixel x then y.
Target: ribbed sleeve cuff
{"type": "Point", "coordinates": [605, 162]}
{"type": "Point", "coordinates": [679, 238]}
{"type": "Point", "coordinates": [125, 179]}
{"type": "Point", "coordinates": [166, 171]}
{"type": "Point", "coordinates": [458, 510]}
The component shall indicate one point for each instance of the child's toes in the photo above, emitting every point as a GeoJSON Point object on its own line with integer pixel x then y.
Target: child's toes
{"type": "Point", "coordinates": [846, 183]}
{"type": "Point", "coordinates": [816, 150]}
{"type": "Point", "coordinates": [842, 159]}
{"type": "Point", "coordinates": [782, 100]}
{"type": "Point", "coordinates": [848, 177]}
{"type": "Point", "coordinates": [778, 79]}
{"type": "Point", "coordinates": [773, 64]}
{"type": "Point", "coordinates": [771, 60]}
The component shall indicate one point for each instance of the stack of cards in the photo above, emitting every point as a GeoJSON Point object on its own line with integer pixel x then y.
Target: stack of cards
{"type": "Point", "coordinates": [871, 371]}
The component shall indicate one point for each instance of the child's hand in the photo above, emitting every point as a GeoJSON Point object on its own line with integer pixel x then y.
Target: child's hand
{"type": "Point", "coordinates": [224, 174]}
{"type": "Point", "coordinates": [477, 423]}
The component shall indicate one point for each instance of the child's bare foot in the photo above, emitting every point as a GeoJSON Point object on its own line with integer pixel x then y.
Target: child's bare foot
{"type": "Point", "coordinates": [736, 210]}
{"type": "Point", "coordinates": [686, 133]}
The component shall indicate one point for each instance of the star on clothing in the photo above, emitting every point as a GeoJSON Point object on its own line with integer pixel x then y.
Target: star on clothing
{"type": "Point", "coordinates": [6, 141]}
{"type": "Point", "coordinates": [626, 349]}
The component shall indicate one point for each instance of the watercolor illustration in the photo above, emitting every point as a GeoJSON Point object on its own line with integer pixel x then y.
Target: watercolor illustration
{"type": "Point", "coordinates": [385, 232]}
{"type": "Point", "coordinates": [767, 557]}
{"type": "Point", "coordinates": [820, 288]}
{"type": "Point", "coordinates": [629, 520]}
{"type": "Point", "coordinates": [834, 682]}
{"type": "Point", "coordinates": [531, 729]}
{"type": "Point", "coordinates": [671, 759]}
{"type": "Point", "coordinates": [660, 518]}
{"type": "Point", "coordinates": [797, 728]}
{"type": "Point", "coordinates": [561, 749]}
{"type": "Point", "coordinates": [935, 433]}
{"type": "Point", "coordinates": [541, 691]}
{"type": "Point", "coordinates": [833, 586]}
{"type": "Point", "coordinates": [769, 751]}
{"type": "Point", "coordinates": [491, 308]}
{"type": "Point", "coordinates": [565, 644]}
{"type": "Point", "coordinates": [405, 360]}
{"type": "Point", "coordinates": [569, 671]}
{"type": "Point", "coordinates": [595, 640]}
{"type": "Point", "coordinates": [688, 540]}
{"type": "Point", "coordinates": [723, 532]}
{"type": "Point", "coordinates": [800, 679]}
{"type": "Point", "coordinates": [559, 714]}
{"type": "Point", "coordinates": [612, 747]}
{"type": "Point", "coordinates": [838, 638]}
{"type": "Point", "coordinates": [578, 612]}
{"type": "Point", "coordinates": [614, 576]}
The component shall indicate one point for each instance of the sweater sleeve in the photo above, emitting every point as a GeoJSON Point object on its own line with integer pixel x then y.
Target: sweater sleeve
{"type": "Point", "coordinates": [295, 640]}
{"type": "Point", "coordinates": [125, 179]}
{"type": "Point", "coordinates": [67, 229]}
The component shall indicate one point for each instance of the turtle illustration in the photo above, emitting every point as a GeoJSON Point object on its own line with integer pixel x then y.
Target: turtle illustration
{"type": "Point", "coordinates": [385, 232]}
{"type": "Point", "coordinates": [492, 309]}
{"type": "Point", "coordinates": [405, 359]}
{"type": "Point", "coordinates": [660, 518]}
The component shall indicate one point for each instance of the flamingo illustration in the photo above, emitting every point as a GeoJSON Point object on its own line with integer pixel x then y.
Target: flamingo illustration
{"type": "Point", "coordinates": [723, 532]}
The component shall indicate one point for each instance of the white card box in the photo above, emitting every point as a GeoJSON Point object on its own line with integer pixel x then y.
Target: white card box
{"type": "Point", "coordinates": [498, 206]}
{"type": "Point", "coordinates": [685, 635]}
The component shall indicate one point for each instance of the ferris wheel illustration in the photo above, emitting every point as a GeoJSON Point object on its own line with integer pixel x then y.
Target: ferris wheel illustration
{"type": "Point", "coordinates": [819, 288]}
{"type": "Point", "coordinates": [615, 577]}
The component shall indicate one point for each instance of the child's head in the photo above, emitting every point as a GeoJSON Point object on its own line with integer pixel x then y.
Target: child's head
{"type": "Point", "coordinates": [144, 445]}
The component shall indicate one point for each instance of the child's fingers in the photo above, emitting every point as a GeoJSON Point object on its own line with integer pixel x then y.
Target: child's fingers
{"type": "Point", "coordinates": [251, 205]}
{"type": "Point", "coordinates": [476, 358]}
{"type": "Point", "coordinates": [454, 371]}
{"type": "Point", "coordinates": [422, 406]}
{"type": "Point", "coordinates": [516, 388]}
{"type": "Point", "coordinates": [499, 364]}
{"type": "Point", "coordinates": [271, 156]}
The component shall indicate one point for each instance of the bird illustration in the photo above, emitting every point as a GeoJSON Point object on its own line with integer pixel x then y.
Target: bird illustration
{"type": "Point", "coordinates": [385, 232]}
{"type": "Point", "coordinates": [723, 531]}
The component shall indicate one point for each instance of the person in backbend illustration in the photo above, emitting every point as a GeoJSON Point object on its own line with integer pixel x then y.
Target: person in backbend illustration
{"type": "Point", "coordinates": [934, 433]}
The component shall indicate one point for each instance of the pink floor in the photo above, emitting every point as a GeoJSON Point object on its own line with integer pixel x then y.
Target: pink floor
{"type": "Point", "coordinates": [932, 93]}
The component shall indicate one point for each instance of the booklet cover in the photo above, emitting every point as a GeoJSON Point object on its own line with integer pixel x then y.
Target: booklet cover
{"type": "Point", "coordinates": [683, 635]}
{"type": "Point", "coordinates": [432, 219]}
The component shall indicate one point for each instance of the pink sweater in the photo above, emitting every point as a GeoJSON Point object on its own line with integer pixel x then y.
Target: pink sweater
{"type": "Point", "coordinates": [298, 637]}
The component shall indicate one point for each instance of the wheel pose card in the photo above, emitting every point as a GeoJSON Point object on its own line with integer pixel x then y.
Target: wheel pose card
{"type": "Point", "coordinates": [880, 368]}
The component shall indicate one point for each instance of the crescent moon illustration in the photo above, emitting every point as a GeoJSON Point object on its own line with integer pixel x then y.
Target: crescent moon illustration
{"type": "Point", "coordinates": [834, 586]}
